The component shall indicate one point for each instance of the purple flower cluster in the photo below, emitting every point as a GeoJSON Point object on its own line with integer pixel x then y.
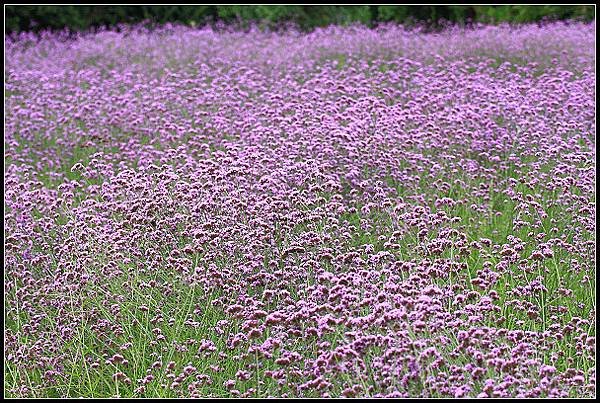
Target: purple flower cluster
{"type": "Point", "coordinates": [350, 212]}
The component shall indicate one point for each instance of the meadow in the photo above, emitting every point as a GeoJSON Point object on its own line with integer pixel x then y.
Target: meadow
{"type": "Point", "coordinates": [350, 212]}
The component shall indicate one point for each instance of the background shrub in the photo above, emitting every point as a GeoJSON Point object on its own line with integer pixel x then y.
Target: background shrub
{"type": "Point", "coordinates": [35, 18]}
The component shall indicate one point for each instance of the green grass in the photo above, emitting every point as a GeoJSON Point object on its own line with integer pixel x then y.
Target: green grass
{"type": "Point", "coordinates": [86, 346]}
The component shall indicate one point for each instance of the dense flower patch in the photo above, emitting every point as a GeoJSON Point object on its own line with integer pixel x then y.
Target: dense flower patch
{"type": "Point", "coordinates": [349, 212]}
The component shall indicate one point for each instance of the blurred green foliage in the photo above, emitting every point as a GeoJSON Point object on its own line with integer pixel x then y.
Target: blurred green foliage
{"type": "Point", "coordinates": [35, 18]}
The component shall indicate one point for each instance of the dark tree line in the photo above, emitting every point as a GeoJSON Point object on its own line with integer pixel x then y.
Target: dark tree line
{"type": "Point", "coordinates": [77, 18]}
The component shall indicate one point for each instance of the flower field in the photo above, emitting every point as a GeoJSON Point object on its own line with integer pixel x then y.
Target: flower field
{"type": "Point", "coordinates": [350, 212]}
